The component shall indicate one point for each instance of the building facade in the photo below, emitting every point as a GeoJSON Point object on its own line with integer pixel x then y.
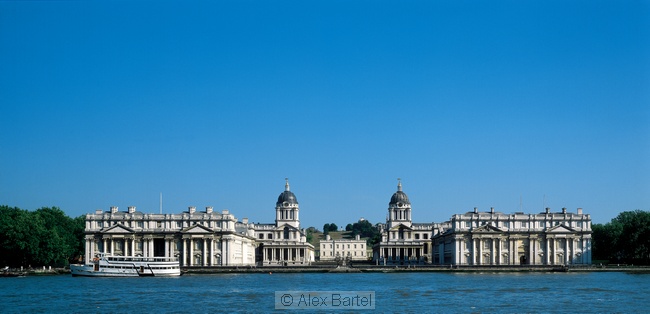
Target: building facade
{"type": "Point", "coordinates": [283, 242]}
{"type": "Point", "coordinates": [197, 238]}
{"type": "Point", "coordinates": [202, 239]}
{"type": "Point", "coordinates": [351, 249]}
{"type": "Point", "coordinates": [494, 238]}
{"type": "Point", "coordinates": [402, 241]}
{"type": "Point", "coordinates": [213, 239]}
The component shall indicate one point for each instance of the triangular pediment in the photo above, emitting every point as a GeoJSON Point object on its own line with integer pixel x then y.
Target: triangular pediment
{"type": "Point", "coordinates": [118, 228]}
{"type": "Point", "coordinates": [401, 227]}
{"type": "Point", "coordinates": [487, 229]}
{"type": "Point", "coordinates": [281, 227]}
{"type": "Point", "coordinates": [560, 229]}
{"type": "Point", "coordinates": [197, 229]}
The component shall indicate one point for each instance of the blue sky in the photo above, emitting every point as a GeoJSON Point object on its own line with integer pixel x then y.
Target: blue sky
{"type": "Point", "coordinates": [213, 103]}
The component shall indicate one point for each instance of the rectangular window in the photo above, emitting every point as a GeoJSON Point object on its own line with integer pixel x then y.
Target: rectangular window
{"type": "Point", "coordinates": [468, 224]}
{"type": "Point", "coordinates": [425, 236]}
{"type": "Point", "coordinates": [417, 236]}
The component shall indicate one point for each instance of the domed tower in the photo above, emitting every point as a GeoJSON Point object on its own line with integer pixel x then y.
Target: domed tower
{"type": "Point", "coordinates": [399, 208]}
{"type": "Point", "coordinates": [286, 208]}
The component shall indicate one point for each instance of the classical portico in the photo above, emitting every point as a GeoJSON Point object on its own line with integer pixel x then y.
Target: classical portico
{"type": "Point", "coordinates": [201, 239]}
{"type": "Point", "coordinates": [519, 239]}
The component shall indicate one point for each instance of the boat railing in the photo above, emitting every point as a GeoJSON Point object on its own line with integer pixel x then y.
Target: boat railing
{"type": "Point", "coordinates": [141, 259]}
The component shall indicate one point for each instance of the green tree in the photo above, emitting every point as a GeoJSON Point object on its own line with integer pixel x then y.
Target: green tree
{"type": "Point", "coordinates": [626, 239]}
{"type": "Point", "coordinates": [326, 228]}
{"type": "Point", "coordinates": [634, 240]}
{"type": "Point", "coordinates": [17, 241]}
{"type": "Point", "coordinates": [43, 237]}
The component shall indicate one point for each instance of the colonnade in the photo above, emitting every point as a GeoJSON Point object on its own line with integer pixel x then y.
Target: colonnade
{"type": "Point", "coordinates": [514, 250]}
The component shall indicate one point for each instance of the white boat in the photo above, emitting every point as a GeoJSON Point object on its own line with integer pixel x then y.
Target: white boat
{"type": "Point", "coordinates": [105, 265]}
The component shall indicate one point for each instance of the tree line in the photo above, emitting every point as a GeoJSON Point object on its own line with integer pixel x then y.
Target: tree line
{"type": "Point", "coordinates": [626, 239]}
{"type": "Point", "coordinates": [44, 237]}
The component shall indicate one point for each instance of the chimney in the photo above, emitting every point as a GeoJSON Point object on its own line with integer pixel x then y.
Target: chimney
{"type": "Point", "coordinates": [327, 237]}
{"type": "Point", "coordinates": [357, 237]}
{"type": "Point", "coordinates": [99, 212]}
{"type": "Point", "coordinates": [548, 210]}
{"type": "Point", "coordinates": [579, 211]}
{"type": "Point", "coordinates": [208, 209]}
{"type": "Point", "coordinates": [564, 210]}
{"type": "Point", "coordinates": [475, 210]}
{"type": "Point", "coordinates": [491, 210]}
{"type": "Point", "coordinates": [192, 209]}
{"type": "Point", "coordinates": [113, 209]}
{"type": "Point", "coordinates": [244, 221]}
{"type": "Point", "coordinates": [131, 209]}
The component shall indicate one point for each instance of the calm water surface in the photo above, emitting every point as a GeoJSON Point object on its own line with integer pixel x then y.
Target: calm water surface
{"type": "Point", "coordinates": [615, 292]}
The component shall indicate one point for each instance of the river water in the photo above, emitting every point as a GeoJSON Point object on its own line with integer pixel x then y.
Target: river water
{"type": "Point", "coordinates": [600, 292]}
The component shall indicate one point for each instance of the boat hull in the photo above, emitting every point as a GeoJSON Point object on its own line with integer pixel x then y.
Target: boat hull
{"type": "Point", "coordinates": [120, 266]}
{"type": "Point", "coordinates": [89, 271]}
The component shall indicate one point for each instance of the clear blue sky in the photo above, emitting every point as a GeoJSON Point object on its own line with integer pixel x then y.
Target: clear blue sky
{"type": "Point", "coordinates": [214, 103]}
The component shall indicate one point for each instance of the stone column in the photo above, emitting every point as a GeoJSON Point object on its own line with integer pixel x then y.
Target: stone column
{"type": "Point", "coordinates": [133, 246]}
{"type": "Point", "coordinates": [500, 253]}
{"type": "Point", "coordinates": [493, 253]}
{"type": "Point", "coordinates": [205, 252]}
{"type": "Point", "coordinates": [191, 245]}
{"type": "Point", "coordinates": [548, 251]}
{"type": "Point", "coordinates": [211, 241]}
{"type": "Point", "coordinates": [166, 247]}
{"type": "Point", "coordinates": [112, 247]}
{"type": "Point", "coordinates": [473, 253]}
{"type": "Point", "coordinates": [88, 252]}
{"type": "Point", "coordinates": [531, 251]}
{"type": "Point", "coordinates": [480, 251]}
{"type": "Point", "coordinates": [105, 245]}
{"type": "Point", "coordinates": [227, 252]}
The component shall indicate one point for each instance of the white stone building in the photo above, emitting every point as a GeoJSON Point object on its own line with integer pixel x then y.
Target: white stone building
{"type": "Point", "coordinates": [402, 241]}
{"type": "Point", "coordinates": [354, 249]}
{"type": "Point", "coordinates": [283, 242]}
{"type": "Point", "coordinates": [494, 238]}
{"type": "Point", "coordinates": [196, 238]}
